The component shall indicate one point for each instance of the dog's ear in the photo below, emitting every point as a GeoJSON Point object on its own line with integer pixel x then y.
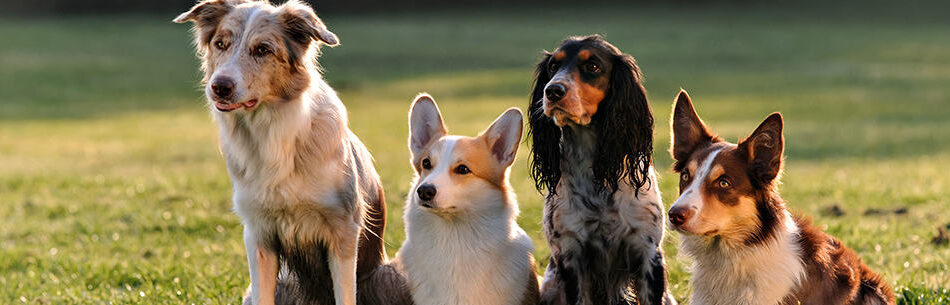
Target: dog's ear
{"type": "Point", "coordinates": [303, 25]}
{"type": "Point", "coordinates": [764, 149]}
{"type": "Point", "coordinates": [504, 135]}
{"type": "Point", "coordinates": [425, 123]}
{"type": "Point", "coordinates": [687, 130]}
{"type": "Point", "coordinates": [545, 135]}
{"type": "Point", "coordinates": [206, 15]}
{"type": "Point", "coordinates": [624, 126]}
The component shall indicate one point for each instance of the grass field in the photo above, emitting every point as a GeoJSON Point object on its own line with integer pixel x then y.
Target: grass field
{"type": "Point", "coordinates": [112, 187]}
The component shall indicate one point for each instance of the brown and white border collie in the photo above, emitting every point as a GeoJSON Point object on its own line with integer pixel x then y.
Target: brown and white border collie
{"type": "Point", "coordinates": [303, 182]}
{"type": "Point", "coordinates": [463, 246]}
{"type": "Point", "coordinates": [748, 248]}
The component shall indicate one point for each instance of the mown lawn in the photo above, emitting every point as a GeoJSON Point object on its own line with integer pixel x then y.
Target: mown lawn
{"type": "Point", "coordinates": [112, 187]}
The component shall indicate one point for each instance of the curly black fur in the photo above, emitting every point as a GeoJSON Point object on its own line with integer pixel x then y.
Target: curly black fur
{"type": "Point", "coordinates": [623, 122]}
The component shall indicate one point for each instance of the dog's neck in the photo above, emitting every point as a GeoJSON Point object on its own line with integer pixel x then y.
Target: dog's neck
{"type": "Point", "coordinates": [732, 273]}
{"type": "Point", "coordinates": [477, 229]}
{"type": "Point", "coordinates": [578, 149]}
{"type": "Point", "coordinates": [281, 137]}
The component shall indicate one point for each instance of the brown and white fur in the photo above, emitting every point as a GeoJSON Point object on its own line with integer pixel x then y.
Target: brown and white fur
{"type": "Point", "coordinates": [748, 248]}
{"type": "Point", "coordinates": [463, 246]}
{"type": "Point", "coordinates": [303, 183]}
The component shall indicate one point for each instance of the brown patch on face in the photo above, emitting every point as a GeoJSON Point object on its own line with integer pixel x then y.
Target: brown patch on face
{"type": "Point", "coordinates": [583, 55]}
{"type": "Point", "coordinates": [559, 55]}
{"type": "Point", "coordinates": [591, 94]}
{"type": "Point", "coordinates": [475, 154]}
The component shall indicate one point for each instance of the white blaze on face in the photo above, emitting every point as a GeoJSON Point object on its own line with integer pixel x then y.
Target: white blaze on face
{"type": "Point", "coordinates": [441, 174]}
{"type": "Point", "coordinates": [692, 197]}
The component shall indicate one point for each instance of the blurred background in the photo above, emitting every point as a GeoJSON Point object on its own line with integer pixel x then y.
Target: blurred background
{"type": "Point", "coordinates": [112, 187]}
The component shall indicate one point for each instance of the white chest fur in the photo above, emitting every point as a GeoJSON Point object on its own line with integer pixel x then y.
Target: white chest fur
{"type": "Point", "coordinates": [763, 275]}
{"type": "Point", "coordinates": [470, 261]}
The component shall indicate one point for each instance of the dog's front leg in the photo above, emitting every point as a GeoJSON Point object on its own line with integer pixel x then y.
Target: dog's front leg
{"type": "Point", "coordinates": [343, 271]}
{"type": "Point", "coordinates": [263, 268]}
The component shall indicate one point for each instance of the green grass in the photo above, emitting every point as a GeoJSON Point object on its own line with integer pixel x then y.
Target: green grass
{"type": "Point", "coordinates": [112, 187]}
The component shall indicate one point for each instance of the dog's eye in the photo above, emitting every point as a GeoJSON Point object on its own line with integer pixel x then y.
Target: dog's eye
{"type": "Point", "coordinates": [592, 68]}
{"type": "Point", "coordinates": [426, 164]}
{"type": "Point", "coordinates": [684, 176]}
{"type": "Point", "coordinates": [462, 170]}
{"type": "Point", "coordinates": [220, 45]}
{"type": "Point", "coordinates": [261, 51]}
{"type": "Point", "coordinates": [553, 67]}
{"type": "Point", "coordinates": [723, 183]}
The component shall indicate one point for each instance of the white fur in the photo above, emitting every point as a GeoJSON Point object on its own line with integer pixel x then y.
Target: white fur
{"type": "Point", "coordinates": [468, 249]}
{"type": "Point", "coordinates": [760, 275]}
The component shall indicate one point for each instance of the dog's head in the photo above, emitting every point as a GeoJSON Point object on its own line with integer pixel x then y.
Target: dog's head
{"type": "Point", "coordinates": [726, 190]}
{"type": "Point", "coordinates": [254, 53]}
{"type": "Point", "coordinates": [457, 174]}
{"type": "Point", "coordinates": [589, 83]}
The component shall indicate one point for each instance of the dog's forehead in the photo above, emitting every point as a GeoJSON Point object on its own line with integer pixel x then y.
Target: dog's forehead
{"type": "Point", "coordinates": [579, 49]}
{"type": "Point", "coordinates": [248, 17]}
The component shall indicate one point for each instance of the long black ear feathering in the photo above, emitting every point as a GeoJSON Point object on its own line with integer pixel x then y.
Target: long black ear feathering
{"type": "Point", "coordinates": [624, 123]}
{"type": "Point", "coordinates": [544, 134]}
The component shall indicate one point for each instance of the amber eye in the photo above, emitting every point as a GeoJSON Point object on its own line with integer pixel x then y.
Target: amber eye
{"type": "Point", "coordinates": [723, 183]}
{"type": "Point", "coordinates": [462, 170]}
{"type": "Point", "coordinates": [220, 45]}
{"type": "Point", "coordinates": [592, 68]}
{"type": "Point", "coordinates": [426, 164]}
{"type": "Point", "coordinates": [261, 51]}
{"type": "Point", "coordinates": [684, 176]}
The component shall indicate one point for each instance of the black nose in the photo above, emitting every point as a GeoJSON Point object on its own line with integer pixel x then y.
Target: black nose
{"type": "Point", "coordinates": [679, 215]}
{"type": "Point", "coordinates": [555, 92]}
{"type": "Point", "coordinates": [426, 192]}
{"type": "Point", "coordinates": [222, 87]}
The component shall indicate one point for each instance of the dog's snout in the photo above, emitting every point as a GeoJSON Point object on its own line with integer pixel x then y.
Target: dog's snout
{"type": "Point", "coordinates": [222, 87]}
{"type": "Point", "coordinates": [555, 92]}
{"type": "Point", "coordinates": [426, 192]}
{"type": "Point", "coordinates": [679, 215]}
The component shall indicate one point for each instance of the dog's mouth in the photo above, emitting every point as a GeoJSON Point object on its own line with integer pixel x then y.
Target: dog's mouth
{"type": "Point", "coordinates": [228, 107]}
{"type": "Point", "coordinates": [563, 117]}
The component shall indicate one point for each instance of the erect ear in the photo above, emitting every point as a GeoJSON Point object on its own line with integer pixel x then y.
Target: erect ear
{"type": "Point", "coordinates": [504, 135]}
{"type": "Point", "coordinates": [206, 15]}
{"type": "Point", "coordinates": [764, 148]}
{"type": "Point", "coordinates": [303, 25]}
{"type": "Point", "coordinates": [688, 130]}
{"type": "Point", "coordinates": [425, 123]}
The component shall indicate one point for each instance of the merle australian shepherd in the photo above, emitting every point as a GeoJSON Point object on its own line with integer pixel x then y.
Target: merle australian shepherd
{"type": "Point", "coordinates": [304, 184]}
{"type": "Point", "coordinates": [748, 248]}
{"type": "Point", "coordinates": [592, 134]}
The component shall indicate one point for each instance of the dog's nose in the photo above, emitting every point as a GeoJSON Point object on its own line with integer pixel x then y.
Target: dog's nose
{"type": "Point", "coordinates": [426, 192]}
{"type": "Point", "coordinates": [555, 92]}
{"type": "Point", "coordinates": [222, 87]}
{"type": "Point", "coordinates": [679, 215]}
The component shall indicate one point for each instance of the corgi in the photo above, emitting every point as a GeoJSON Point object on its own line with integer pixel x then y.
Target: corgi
{"type": "Point", "coordinates": [747, 247]}
{"type": "Point", "coordinates": [463, 246]}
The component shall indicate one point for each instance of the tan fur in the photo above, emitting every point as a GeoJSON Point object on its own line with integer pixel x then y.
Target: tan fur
{"type": "Point", "coordinates": [303, 182]}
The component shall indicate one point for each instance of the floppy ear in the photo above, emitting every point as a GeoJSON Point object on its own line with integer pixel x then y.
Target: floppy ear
{"type": "Point", "coordinates": [624, 123]}
{"type": "Point", "coordinates": [687, 130]}
{"type": "Point", "coordinates": [206, 15]}
{"type": "Point", "coordinates": [504, 135]}
{"type": "Point", "coordinates": [425, 123]}
{"type": "Point", "coordinates": [303, 25]}
{"type": "Point", "coordinates": [545, 135]}
{"type": "Point", "coordinates": [764, 148]}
